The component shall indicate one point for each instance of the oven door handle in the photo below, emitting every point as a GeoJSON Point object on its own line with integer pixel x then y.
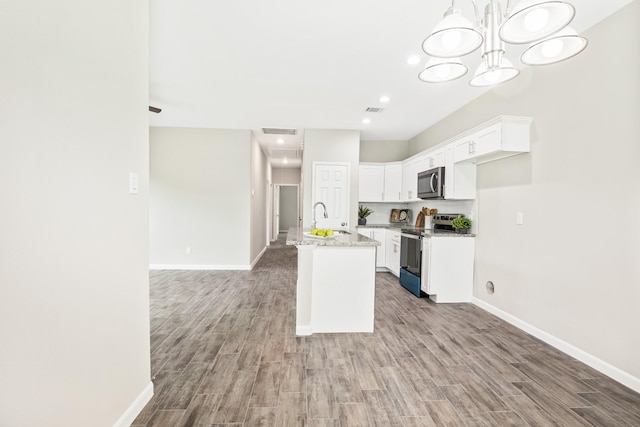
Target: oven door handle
{"type": "Point", "coordinates": [411, 236]}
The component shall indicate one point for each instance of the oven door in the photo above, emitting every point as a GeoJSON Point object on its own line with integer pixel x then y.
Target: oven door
{"type": "Point", "coordinates": [410, 262]}
{"type": "Point", "coordinates": [411, 253]}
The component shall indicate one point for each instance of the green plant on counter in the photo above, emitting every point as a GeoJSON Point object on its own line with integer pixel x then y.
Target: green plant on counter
{"type": "Point", "coordinates": [364, 212]}
{"type": "Point", "coordinates": [461, 223]}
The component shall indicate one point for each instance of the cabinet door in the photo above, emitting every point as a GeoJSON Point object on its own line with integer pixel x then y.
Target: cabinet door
{"type": "Point", "coordinates": [392, 249]}
{"type": "Point", "coordinates": [478, 144]}
{"type": "Point", "coordinates": [393, 182]}
{"type": "Point", "coordinates": [379, 235]}
{"type": "Point", "coordinates": [410, 170]}
{"type": "Point", "coordinates": [366, 232]}
{"type": "Point", "coordinates": [436, 159]}
{"type": "Point", "coordinates": [371, 185]}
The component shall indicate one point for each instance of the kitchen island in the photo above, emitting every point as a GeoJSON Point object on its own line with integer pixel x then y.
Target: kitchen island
{"type": "Point", "coordinates": [335, 290]}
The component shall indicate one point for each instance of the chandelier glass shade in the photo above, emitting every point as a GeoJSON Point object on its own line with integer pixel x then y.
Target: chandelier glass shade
{"type": "Point", "coordinates": [542, 23]}
{"type": "Point", "coordinates": [453, 36]}
{"type": "Point", "coordinates": [560, 46]}
{"type": "Point", "coordinates": [443, 70]}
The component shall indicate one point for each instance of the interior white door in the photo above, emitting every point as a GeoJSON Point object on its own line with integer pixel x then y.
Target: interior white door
{"type": "Point", "coordinates": [331, 187]}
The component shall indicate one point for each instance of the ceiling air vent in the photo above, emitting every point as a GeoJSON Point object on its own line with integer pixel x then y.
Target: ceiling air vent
{"type": "Point", "coordinates": [277, 131]}
{"type": "Point", "coordinates": [374, 109]}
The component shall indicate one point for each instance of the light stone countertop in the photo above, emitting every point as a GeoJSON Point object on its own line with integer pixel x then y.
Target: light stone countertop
{"type": "Point", "coordinates": [426, 232]}
{"type": "Point", "coordinates": [296, 236]}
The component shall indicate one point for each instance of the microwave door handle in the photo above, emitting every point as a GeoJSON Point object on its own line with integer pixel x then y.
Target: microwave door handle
{"type": "Point", "coordinates": [433, 188]}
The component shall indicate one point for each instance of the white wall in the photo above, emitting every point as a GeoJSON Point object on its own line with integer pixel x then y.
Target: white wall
{"type": "Point", "coordinates": [572, 269]}
{"type": "Point", "coordinates": [200, 198]}
{"type": "Point", "coordinates": [286, 176]}
{"type": "Point", "coordinates": [74, 294]}
{"type": "Point", "coordinates": [260, 189]}
{"type": "Point", "coordinates": [383, 151]}
{"type": "Point", "coordinates": [330, 146]}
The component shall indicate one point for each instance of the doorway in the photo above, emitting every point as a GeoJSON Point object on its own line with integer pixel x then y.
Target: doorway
{"type": "Point", "coordinates": [286, 209]}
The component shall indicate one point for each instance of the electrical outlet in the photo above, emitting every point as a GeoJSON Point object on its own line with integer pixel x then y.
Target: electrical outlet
{"type": "Point", "coordinates": [188, 250]}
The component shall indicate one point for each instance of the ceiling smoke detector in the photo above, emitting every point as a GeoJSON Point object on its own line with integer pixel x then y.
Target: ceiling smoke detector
{"type": "Point", "coordinates": [278, 131]}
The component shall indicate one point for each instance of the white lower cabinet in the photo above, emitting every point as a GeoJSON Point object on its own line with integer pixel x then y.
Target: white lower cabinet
{"type": "Point", "coordinates": [447, 268]}
{"type": "Point", "coordinates": [392, 249]}
{"type": "Point", "coordinates": [379, 235]}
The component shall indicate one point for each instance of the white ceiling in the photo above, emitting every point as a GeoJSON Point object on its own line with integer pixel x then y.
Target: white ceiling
{"type": "Point", "coordinates": [251, 64]}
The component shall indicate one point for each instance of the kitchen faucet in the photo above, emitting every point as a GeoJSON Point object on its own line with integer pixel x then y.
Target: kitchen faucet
{"type": "Point", "coordinates": [326, 215]}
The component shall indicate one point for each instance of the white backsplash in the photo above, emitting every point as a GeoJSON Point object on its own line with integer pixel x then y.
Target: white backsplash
{"type": "Point", "coordinates": [382, 211]}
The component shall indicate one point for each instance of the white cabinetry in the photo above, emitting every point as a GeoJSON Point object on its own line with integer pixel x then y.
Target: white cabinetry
{"type": "Point", "coordinates": [392, 246]}
{"type": "Point", "coordinates": [379, 235]}
{"type": "Point", "coordinates": [499, 138]}
{"type": "Point", "coordinates": [436, 158]}
{"type": "Point", "coordinates": [380, 182]}
{"type": "Point", "coordinates": [447, 268]}
{"type": "Point", "coordinates": [410, 169]}
{"type": "Point", "coordinates": [459, 178]}
{"type": "Point", "coordinates": [393, 182]}
{"type": "Point", "coordinates": [371, 182]}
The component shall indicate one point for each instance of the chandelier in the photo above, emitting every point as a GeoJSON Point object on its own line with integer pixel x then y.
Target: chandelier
{"type": "Point", "coordinates": [541, 23]}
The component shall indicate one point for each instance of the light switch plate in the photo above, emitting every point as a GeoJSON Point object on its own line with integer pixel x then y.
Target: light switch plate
{"type": "Point", "coordinates": [519, 218]}
{"type": "Point", "coordinates": [133, 183]}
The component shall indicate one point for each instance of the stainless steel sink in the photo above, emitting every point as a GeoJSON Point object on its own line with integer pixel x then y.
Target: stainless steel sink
{"type": "Point", "coordinates": [337, 232]}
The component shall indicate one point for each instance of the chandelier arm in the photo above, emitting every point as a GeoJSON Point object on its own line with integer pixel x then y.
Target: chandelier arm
{"type": "Point", "coordinates": [507, 9]}
{"type": "Point", "coordinates": [475, 10]}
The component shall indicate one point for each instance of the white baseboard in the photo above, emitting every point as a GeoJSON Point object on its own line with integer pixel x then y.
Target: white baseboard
{"type": "Point", "coordinates": [197, 267]}
{"type": "Point", "coordinates": [136, 407]}
{"type": "Point", "coordinates": [255, 261]}
{"type": "Point", "coordinates": [586, 358]}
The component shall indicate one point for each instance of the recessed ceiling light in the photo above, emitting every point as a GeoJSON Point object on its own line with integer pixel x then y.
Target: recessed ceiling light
{"type": "Point", "coordinates": [385, 99]}
{"type": "Point", "coordinates": [413, 60]}
{"type": "Point", "coordinates": [280, 141]}
{"type": "Point", "coordinates": [366, 121]}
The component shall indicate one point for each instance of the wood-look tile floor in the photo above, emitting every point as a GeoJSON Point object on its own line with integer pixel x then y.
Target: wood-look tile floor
{"type": "Point", "coordinates": [224, 353]}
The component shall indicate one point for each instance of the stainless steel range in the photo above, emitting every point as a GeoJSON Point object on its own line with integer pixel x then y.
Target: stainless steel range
{"type": "Point", "coordinates": [411, 250]}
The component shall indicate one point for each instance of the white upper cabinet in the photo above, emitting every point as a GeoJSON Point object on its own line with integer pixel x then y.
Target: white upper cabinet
{"type": "Point", "coordinates": [410, 169]}
{"type": "Point", "coordinates": [371, 182]}
{"type": "Point", "coordinates": [501, 137]}
{"type": "Point", "coordinates": [436, 158]}
{"type": "Point", "coordinates": [459, 178]}
{"type": "Point", "coordinates": [497, 139]}
{"type": "Point", "coordinates": [393, 182]}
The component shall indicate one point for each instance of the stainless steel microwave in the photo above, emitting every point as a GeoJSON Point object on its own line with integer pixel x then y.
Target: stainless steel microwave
{"type": "Point", "coordinates": [431, 183]}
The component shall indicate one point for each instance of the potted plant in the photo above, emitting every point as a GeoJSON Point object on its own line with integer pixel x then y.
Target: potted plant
{"type": "Point", "coordinates": [363, 213]}
{"type": "Point", "coordinates": [461, 225]}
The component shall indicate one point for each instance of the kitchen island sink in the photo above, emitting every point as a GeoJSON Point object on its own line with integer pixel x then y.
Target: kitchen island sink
{"type": "Point", "coordinates": [335, 290]}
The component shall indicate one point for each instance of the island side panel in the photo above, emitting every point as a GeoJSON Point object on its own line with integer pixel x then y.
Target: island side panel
{"type": "Point", "coordinates": [343, 289]}
{"type": "Point", "coordinates": [303, 289]}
